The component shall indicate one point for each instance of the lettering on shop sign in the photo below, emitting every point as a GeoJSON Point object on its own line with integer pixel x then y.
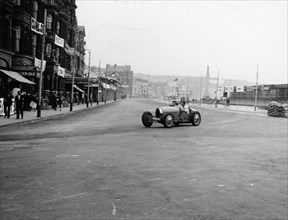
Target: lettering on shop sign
{"type": "Point", "coordinates": [27, 73]}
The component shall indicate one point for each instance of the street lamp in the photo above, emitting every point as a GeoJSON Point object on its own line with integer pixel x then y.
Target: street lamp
{"type": "Point", "coordinates": [88, 79]}
{"type": "Point", "coordinates": [41, 67]}
{"type": "Point", "coordinates": [99, 69]}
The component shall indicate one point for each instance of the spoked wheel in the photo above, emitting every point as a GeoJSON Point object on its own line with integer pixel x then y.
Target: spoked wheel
{"type": "Point", "coordinates": [196, 118]}
{"type": "Point", "coordinates": [147, 119]}
{"type": "Point", "coordinates": [168, 121]}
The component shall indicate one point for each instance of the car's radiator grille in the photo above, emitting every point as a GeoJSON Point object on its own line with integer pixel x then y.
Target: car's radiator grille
{"type": "Point", "coordinates": [157, 113]}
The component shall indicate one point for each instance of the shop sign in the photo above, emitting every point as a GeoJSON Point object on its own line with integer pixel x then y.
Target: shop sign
{"type": "Point", "coordinates": [61, 71]}
{"type": "Point", "coordinates": [59, 41]}
{"type": "Point", "coordinates": [36, 26]}
{"type": "Point", "coordinates": [27, 74]}
{"type": "Point", "coordinates": [37, 63]}
{"type": "Point", "coordinates": [69, 50]}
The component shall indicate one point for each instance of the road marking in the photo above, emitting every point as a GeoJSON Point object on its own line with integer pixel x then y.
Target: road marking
{"type": "Point", "coordinates": [65, 197]}
{"type": "Point", "coordinates": [66, 155]}
{"type": "Point", "coordinates": [114, 209]}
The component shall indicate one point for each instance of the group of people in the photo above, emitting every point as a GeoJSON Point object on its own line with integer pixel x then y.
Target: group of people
{"type": "Point", "coordinates": [56, 100]}
{"type": "Point", "coordinates": [19, 105]}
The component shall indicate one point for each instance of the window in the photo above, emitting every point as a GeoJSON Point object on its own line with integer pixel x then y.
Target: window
{"type": "Point", "coordinates": [35, 10]}
{"type": "Point", "coordinates": [49, 22]}
{"type": "Point", "coordinates": [17, 38]}
{"type": "Point", "coordinates": [17, 2]}
{"type": "Point", "coordinates": [58, 28]}
{"type": "Point", "coordinates": [48, 50]}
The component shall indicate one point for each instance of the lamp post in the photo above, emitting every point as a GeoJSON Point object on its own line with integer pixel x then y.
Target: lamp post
{"type": "Point", "coordinates": [256, 90]}
{"type": "Point", "coordinates": [200, 91]}
{"type": "Point", "coordinates": [73, 77]}
{"type": "Point", "coordinates": [41, 67]}
{"type": "Point", "coordinates": [98, 82]}
{"type": "Point", "coordinates": [88, 79]}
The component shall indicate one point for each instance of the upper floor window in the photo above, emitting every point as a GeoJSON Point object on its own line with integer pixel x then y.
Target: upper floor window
{"type": "Point", "coordinates": [17, 2]}
{"type": "Point", "coordinates": [35, 10]}
{"type": "Point", "coordinates": [58, 28]}
{"type": "Point", "coordinates": [49, 22]}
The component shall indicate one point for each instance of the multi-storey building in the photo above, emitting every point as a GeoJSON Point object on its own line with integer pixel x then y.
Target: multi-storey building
{"type": "Point", "coordinates": [123, 74]}
{"type": "Point", "coordinates": [21, 41]}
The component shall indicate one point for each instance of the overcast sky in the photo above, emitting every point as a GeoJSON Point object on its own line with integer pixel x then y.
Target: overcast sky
{"type": "Point", "coordinates": [183, 37]}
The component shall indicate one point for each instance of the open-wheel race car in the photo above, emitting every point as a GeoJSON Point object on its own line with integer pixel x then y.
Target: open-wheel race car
{"type": "Point", "coordinates": [174, 114]}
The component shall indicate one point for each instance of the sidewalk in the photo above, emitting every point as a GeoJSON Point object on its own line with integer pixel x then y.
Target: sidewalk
{"type": "Point", "coordinates": [31, 116]}
{"type": "Point", "coordinates": [236, 108]}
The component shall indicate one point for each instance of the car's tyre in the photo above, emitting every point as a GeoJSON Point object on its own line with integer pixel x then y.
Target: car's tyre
{"type": "Point", "coordinates": [147, 119]}
{"type": "Point", "coordinates": [196, 118]}
{"type": "Point", "coordinates": [168, 121]}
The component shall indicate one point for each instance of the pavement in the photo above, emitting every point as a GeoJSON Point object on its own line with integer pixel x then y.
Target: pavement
{"type": "Point", "coordinates": [235, 108]}
{"type": "Point", "coordinates": [31, 116]}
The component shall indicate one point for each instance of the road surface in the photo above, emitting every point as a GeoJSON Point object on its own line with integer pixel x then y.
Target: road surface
{"type": "Point", "coordinates": [104, 164]}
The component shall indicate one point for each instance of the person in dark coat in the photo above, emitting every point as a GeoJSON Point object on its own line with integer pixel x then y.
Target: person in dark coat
{"type": "Point", "coordinates": [54, 101]}
{"type": "Point", "coordinates": [60, 101]}
{"type": "Point", "coordinates": [19, 102]}
{"type": "Point", "coordinates": [7, 105]}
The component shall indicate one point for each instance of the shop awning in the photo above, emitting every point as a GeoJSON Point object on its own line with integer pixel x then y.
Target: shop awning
{"type": "Point", "coordinates": [16, 76]}
{"type": "Point", "coordinates": [80, 90]}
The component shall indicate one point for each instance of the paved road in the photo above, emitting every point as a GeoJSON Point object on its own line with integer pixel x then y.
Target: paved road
{"type": "Point", "coordinates": [103, 164]}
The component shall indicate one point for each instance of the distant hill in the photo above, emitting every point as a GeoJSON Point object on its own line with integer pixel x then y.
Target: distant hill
{"type": "Point", "coordinates": [193, 81]}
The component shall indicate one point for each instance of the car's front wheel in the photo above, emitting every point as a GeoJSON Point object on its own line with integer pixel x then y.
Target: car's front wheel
{"type": "Point", "coordinates": [147, 119]}
{"type": "Point", "coordinates": [196, 118]}
{"type": "Point", "coordinates": [168, 121]}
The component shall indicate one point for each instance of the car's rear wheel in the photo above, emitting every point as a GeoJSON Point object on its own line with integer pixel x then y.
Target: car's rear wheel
{"type": "Point", "coordinates": [168, 121]}
{"type": "Point", "coordinates": [196, 118]}
{"type": "Point", "coordinates": [147, 119]}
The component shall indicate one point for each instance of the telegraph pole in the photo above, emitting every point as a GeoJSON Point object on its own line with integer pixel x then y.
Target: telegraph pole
{"type": "Point", "coordinates": [200, 90]}
{"type": "Point", "coordinates": [216, 101]}
{"type": "Point", "coordinates": [41, 67]}
{"type": "Point", "coordinates": [73, 77]}
{"type": "Point", "coordinates": [88, 85]}
{"type": "Point", "coordinates": [98, 82]}
{"type": "Point", "coordinates": [256, 89]}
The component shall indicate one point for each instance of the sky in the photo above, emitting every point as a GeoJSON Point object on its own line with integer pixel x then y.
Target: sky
{"type": "Point", "coordinates": [184, 37]}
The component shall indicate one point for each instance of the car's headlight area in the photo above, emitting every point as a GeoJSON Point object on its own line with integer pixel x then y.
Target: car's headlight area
{"type": "Point", "coordinates": [159, 112]}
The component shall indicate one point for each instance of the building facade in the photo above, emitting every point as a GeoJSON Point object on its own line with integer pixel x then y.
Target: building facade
{"type": "Point", "coordinates": [123, 74]}
{"type": "Point", "coordinates": [21, 43]}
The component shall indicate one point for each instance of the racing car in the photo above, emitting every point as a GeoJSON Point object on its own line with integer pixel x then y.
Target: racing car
{"type": "Point", "coordinates": [172, 115]}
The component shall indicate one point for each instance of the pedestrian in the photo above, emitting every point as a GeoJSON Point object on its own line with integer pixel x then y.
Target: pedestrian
{"type": "Point", "coordinates": [60, 101]}
{"type": "Point", "coordinates": [7, 105]}
{"type": "Point", "coordinates": [86, 100]}
{"type": "Point", "coordinates": [54, 101]}
{"type": "Point", "coordinates": [19, 102]}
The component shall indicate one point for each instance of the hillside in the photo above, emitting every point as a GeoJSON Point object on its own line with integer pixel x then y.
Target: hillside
{"type": "Point", "coordinates": [193, 81]}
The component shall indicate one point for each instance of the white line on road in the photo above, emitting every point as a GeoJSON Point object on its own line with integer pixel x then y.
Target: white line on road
{"type": "Point", "coordinates": [65, 197]}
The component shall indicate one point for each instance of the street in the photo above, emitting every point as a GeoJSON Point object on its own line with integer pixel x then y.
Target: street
{"type": "Point", "coordinates": [104, 164]}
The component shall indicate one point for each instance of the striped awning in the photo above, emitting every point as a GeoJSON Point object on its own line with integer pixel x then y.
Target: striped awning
{"type": "Point", "coordinates": [16, 76]}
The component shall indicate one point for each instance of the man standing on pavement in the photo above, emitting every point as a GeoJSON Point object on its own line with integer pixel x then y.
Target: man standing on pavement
{"type": "Point", "coordinates": [7, 105]}
{"type": "Point", "coordinates": [19, 102]}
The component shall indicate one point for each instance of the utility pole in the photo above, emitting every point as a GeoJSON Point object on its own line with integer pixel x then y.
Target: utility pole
{"type": "Point", "coordinates": [72, 85]}
{"type": "Point", "coordinates": [216, 101]}
{"type": "Point", "coordinates": [41, 67]}
{"type": "Point", "coordinates": [256, 89]}
{"type": "Point", "coordinates": [98, 82]}
{"type": "Point", "coordinates": [88, 85]}
{"type": "Point", "coordinates": [200, 90]}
